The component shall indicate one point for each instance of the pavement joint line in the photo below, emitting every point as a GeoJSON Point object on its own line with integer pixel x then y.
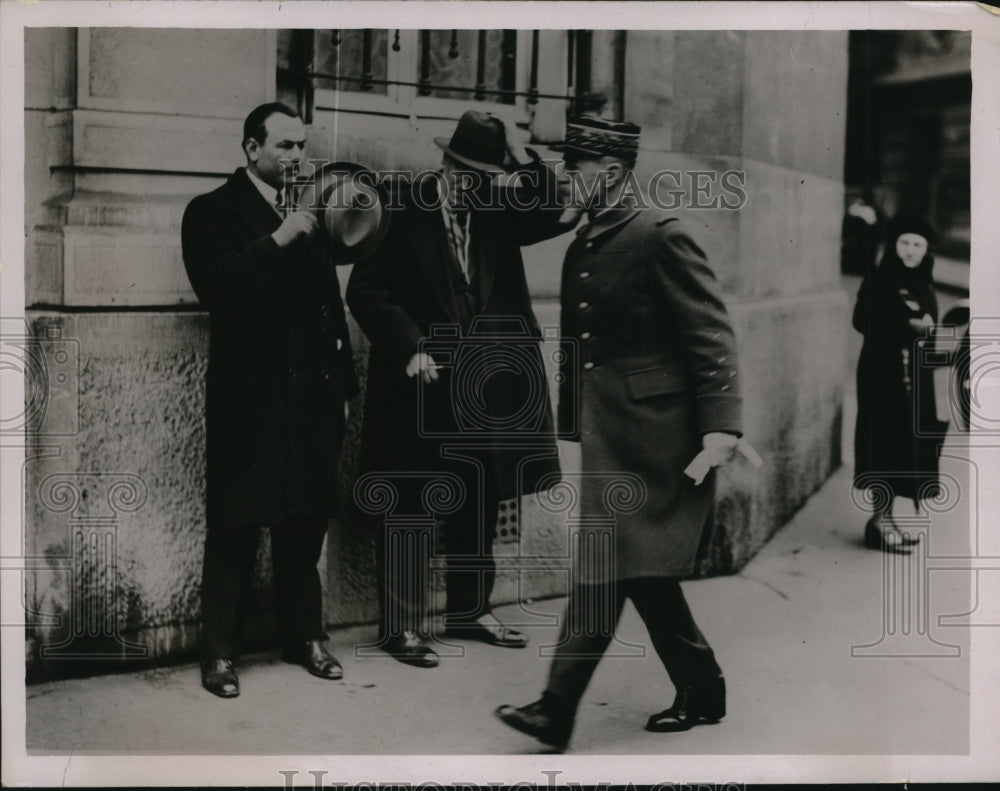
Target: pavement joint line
{"type": "Point", "coordinates": [766, 584]}
{"type": "Point", "coordinates": [936, 677]}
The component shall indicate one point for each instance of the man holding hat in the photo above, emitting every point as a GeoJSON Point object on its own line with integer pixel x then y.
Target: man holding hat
{"type": "Point", "coordinates": [658, 386]}
{"type": "Point", "coordinates": [443, 292]}
{"type": "Point", "coordinates": [279, 373]}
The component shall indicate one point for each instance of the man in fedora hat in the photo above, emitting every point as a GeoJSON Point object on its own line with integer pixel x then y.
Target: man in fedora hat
{"type": "Point", "coordinates": [444, 291]}
{"type": "Point", "coordinates": [280, 371]}
{"type": "Point", "coordinates": [658, 386]}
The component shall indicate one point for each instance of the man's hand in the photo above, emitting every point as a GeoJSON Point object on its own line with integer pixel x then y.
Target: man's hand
{"type": "Point", "coordinates": [718, 448]}
{"type": "Point", "coordinates": [423, 365]}
{"type": "Point", "coordinates": [297, 226]}
{"type": "Point", "coordinates": [513, 138]}
{"type": "Point", "coordinates": [921, 325]}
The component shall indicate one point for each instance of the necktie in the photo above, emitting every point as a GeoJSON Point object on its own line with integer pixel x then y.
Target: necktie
{"type": "Point", "coordinates": [459, 236]}
{"type": "Point", "coordinates": [284, 201]}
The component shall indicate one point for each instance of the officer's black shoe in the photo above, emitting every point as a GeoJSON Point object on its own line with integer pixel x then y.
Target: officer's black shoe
{"type": "Point", "coordinates": [694, 705]}
{"type": "Point", "coordinates": [545, 719]}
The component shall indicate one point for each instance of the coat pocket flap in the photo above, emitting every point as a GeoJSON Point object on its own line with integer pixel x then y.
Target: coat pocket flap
{"type": "Point", "coordinates": [655, 381]}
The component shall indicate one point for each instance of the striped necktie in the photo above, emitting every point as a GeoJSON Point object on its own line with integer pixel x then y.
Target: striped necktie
{"type": "Point", "coordinates": [284, 201]}
{"type": "Point", "coordinates": [459, 227]}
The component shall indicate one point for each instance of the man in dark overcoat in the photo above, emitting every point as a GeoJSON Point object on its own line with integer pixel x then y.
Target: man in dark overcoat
{"type": "Point", "coordinates": [280, 370]}
{"type": "Point", "coordinates": [657, 386]}
{"type": "Point", "coordinates": [442, 299]}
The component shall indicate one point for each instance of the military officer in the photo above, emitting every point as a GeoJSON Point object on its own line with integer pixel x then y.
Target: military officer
{"type": "Point", "coordinates": [657, 385]}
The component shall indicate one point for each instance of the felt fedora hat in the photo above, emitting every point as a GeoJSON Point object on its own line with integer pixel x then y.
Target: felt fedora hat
{"type": "Point", "coordinates": [351, 208]}
{"type": "Point", "coordinates": [479, 141]}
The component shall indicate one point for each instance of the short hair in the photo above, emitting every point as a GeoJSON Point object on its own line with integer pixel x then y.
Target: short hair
{"type": "Point", "coordinates": [255, 124]}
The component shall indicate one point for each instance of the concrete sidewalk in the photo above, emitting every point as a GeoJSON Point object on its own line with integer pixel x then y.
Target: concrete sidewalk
{"type": "Point", "coordinates": [783, 630]}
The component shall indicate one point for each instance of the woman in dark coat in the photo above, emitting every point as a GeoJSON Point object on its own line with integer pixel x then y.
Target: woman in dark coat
{"type": "Point", "coordinates": [897, 435]}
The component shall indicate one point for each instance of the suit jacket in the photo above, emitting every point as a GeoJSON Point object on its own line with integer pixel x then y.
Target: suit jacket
{"type": "Point", "coordinates": [403, 296]}
{"type": "Point", "coordinates": [280, 361]}
{"type": "Point", "coordinates": [650, 366]}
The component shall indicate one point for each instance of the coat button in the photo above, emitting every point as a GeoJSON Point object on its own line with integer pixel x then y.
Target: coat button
{"type": "Point", "coordinates": [725, 387]}
{"type": "Point", "coordinates": [326, 376]}
{"type": "Point", "coordinates": [584, 275]}
{"type": "Point", "coordinates": [585, 336]}
{"type": "Point", "coordinates": [340, 344]}
{"type": "Point", "coordinates": [722, 360]}
{"type": "Point", "coordinates": [588, 245]}
{"type": "Point", "coordinates": [584, 305]}
{"type": "Point", "coordinates": [588, 366]}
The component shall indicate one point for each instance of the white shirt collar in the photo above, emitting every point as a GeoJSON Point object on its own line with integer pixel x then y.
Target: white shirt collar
{"type": "Point", "coordinates": [270, 193]}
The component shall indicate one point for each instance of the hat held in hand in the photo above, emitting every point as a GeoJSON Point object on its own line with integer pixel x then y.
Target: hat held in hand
{"type": "Point", "coordinates": [351, 209]}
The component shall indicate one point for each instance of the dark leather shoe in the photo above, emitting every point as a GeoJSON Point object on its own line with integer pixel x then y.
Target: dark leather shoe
{"type": "Point", "coordinates": [545, 719]}
{"type": "Point", "coordinates": [314, 657]}
{"type": "Point", "coordinates": [219, 677]}
{"type": "Point", "coordinates": [887, 538]}
{"type": "Point", "coordinates": [696, 705]}
{"type": "Point", "coordinates": [410, 649]}
{"type": "Point", "coordinates": [492, 633]}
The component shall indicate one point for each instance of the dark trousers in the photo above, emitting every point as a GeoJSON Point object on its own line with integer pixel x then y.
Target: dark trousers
{"type": "Point", "coordinates": [588, 626]}
{"type": "Point", "coordinates": [227, 581]}
{"type": "Point", "coordinates": [405, 550]}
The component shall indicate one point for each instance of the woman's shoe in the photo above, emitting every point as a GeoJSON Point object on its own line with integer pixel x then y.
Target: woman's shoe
{"type": "Point", "coordinates": [888, 540]}
{"type": "Point", "coordinates": [905, 538]}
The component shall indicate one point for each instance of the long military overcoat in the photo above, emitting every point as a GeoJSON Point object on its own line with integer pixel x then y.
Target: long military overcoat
{"type": "Point", "coordinates": [280, 362]}
{"type": "Point", "coordinates": [653, 369]}
{"type": "Point", "coordinates": [492, 396]}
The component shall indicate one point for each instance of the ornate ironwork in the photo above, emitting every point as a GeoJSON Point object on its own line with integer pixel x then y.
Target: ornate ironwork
{"type": "Point", "coordinates": [366, 60]}
{"type": "Point", "coordinates": [533, 75]}
{"type": "Point", "coordinates": [480, 93]}
{"type": "Point", "coordinates": [424, 83]}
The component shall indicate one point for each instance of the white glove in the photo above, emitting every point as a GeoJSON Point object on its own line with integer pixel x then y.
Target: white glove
{"type": "Point", "coordinates": [720, 451]}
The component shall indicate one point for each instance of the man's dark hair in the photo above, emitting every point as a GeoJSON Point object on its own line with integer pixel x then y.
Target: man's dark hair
{"type": "Point", "coordinates": [254, 125]}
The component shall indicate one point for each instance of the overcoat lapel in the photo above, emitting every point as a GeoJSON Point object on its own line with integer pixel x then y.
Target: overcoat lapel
{"type": "Point", "coordinates": [481, 261]}
{"type": "Point", "coordinates": [250, 206]}
{"type": "Point", "coordinates": [426, 235]}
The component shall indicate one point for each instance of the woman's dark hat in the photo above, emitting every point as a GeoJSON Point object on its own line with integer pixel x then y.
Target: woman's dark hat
{"type": "Point", "coordinates": [479, 141]}
{"type": "Point", "coordinates": [910, 223]}
{"type": "Point", "coordinates": [590, 136]}
{"type": "Point", "coordinates": [351, 208]}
